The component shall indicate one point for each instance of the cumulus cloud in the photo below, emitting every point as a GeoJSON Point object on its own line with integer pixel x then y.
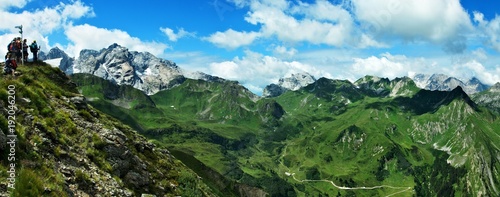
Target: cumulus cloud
{"type": "Point", "coordinates": [5, 4]}
{"type": "Point", "coordinates": [490, 29]}
{"type": "Point", "coordinates": [441, 22]}
{"type": "Point", "coordinates": [39, 23]}
{"type": "Point", "coordinates": [284, 51]}
{"type": "Point", "coordinates": [391, 66]}
{"type": "Point", "coordinates": [474, 68]}
{"type": "Point", "coordinates": [261, 70]}
{"type": "Point", "coordinates": [232, 39]}
{"type": "Point", "coordinates": [91, 37]}
{"type": "Point", "coordinates": [172, 36]}
{"type": "Point", "coordinates": [318, 23]}
{"type": "Point", "coordinates": [275, 21]}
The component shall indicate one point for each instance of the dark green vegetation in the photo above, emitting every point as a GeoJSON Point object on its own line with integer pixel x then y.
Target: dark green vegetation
{"type": "Point", "coordinates": [65, 147]}
{"type": "Point", "coordinates": [376, 137]}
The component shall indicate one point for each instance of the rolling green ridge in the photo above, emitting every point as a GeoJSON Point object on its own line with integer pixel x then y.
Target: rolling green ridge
{"type": "Point", "coordinates": [374, 137]}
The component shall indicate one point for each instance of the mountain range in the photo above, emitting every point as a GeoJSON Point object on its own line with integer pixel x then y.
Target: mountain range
{"type": "Point", "coordinates": [304, 137]}
{"type": "Point", "coordinates": [150, 74]}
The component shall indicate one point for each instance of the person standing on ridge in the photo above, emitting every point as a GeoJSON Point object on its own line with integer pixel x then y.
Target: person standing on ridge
{"type": "Point", "coordinates": [19, 48]}
{"type": "Point", "coordinates": [34, 49]}
{"type": "Point", "coordinates": [10, 48]}
{"type": "Point", "coordinates": [25, 50]}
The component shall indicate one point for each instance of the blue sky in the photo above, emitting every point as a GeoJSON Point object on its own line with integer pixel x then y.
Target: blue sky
{"type": "Point", "coordinates": [258, 41]}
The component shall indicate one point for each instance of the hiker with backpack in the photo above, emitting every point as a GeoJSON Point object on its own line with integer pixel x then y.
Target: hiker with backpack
{"type": "Point", "coordinates": [11, 48]}
{"type": "Point", "coordinates": [18, 49]}
{"type": "Point", "coordinates": [10, 64]}
{"type": "Point", "coordinates": [25, 50]}
{"type": "Point", "coordinates": [34, 48]}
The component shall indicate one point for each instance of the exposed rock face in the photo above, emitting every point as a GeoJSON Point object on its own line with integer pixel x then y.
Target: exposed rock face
{"type": "Point", "coordinates": [202, 76]}
{"type": "Point", "coordinates": [80, 102]}
{"type": "Point", "coordinates": [273, 90]}
{"type": "Point", "coordinates": [143, 71]}
{"type": "Point", "coordinates": [489, 98]}
{"type": "Point", "coordinates": [295, 82]}
{"type": "Point", "coordinates": [384, 87]}
{"type": "Point", "coordinates": [446, 83]}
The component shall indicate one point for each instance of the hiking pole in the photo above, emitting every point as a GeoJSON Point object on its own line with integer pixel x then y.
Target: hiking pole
{"type": "Point", "coordinates": [20, 27]}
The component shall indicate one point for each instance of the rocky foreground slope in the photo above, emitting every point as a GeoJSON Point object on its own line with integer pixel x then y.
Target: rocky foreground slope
{"type": "Point", "coordinates": [64, 147]}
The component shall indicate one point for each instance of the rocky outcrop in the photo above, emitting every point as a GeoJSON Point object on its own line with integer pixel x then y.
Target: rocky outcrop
{"type": "Point", "coordinates": [141, 70]}
{"type": "Point", "coordinates": [489, 98]}
{"type": "Point", "coordinates": [375, 86]}
{"type": "Point", "coordinates": [295, 82]}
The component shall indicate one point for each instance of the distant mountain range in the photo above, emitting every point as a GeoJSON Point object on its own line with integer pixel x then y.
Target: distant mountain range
{"type": "Point", "coordinates": [447, 83]}
{"type": "Point", "coordinates": [150, 74]}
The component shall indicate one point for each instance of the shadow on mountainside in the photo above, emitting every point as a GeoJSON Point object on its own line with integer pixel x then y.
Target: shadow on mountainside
{"type": "Point", "coordinates": [426, 101]}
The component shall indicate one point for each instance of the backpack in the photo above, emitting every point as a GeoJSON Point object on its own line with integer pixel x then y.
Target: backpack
{"type": "Point", "coordinates": [10, 66]}
{"type": "Point", "coordinates": [33, 47]}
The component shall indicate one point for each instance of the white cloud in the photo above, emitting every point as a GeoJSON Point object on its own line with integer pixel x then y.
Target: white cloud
{"type": "Point", "coordinates": [260, 70]}
{"type": "Point", "coordinates": [172, 36]}
{"type": "Point", "coordinates": [319, 23]}
{"type": "Point", "coordinates": [75, 10]}
{"type": "Point", "coordinates": [490, 29]}
{"type": "Point", "coordinates": [275, 21]}
{"type": "Point", "coordinates": [440, 22]}
{"type": "Point", "coordinates": [46, 20]}
{"type": "Point", "coordinates": [323, 10]}
{"type": "Point", "coordinates": [480, 54]}
{"type": "Point", "coordinates": [463, 67]}
{"type": "Point", "coordinates": [5, 4]}
{"type": "Point", "coordinates": [91, 37]}
{"type": "Point", "coordinates": [474, 68]}
{"type": "Point", "coordinates": [232, 39]}
{"type": "Point", "coordinates": [284, 52]}
{"type": "Point", "coordinates": [390, 66]}
{"type": "Point", "coordinates": [37, 25]}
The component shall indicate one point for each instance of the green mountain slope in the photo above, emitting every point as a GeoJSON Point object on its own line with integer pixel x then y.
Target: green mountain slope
{"type": "Point", "coordinates": [489, 98]}
{"type": "Point", "coordinates": [65, 147]}
{"type": "Point", "coordinates": [375, 137]}
{"type": "Point", "coordinates": [212, 120]}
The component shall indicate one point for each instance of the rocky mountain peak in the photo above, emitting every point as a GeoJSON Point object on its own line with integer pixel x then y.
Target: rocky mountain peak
{"type": "Point", "coordinates": [294, 82]}
{"type": "Point", "coordinates": [495, 88]}
{"type": "Point", "coordinates": [54, 53]}
{"type": "Point", "coordinates": [297, 81]}
{"type": "Point", "coordinates": [446, 83]}
{"type": "Point", "coordinates": [142, 70]}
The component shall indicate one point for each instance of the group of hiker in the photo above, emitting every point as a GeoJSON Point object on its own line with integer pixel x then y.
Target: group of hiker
{"type": "Point", "coordinates": [17, 52]}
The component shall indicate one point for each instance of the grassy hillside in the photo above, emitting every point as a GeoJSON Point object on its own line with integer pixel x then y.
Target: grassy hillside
{"type": "Point", "coordinates": [65, 147]}
{"type": "Point", "coordinates": [373, 138]}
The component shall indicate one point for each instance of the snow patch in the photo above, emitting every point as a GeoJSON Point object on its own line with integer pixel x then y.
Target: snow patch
{"type": "Point", "coordinates": [54, 62]}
